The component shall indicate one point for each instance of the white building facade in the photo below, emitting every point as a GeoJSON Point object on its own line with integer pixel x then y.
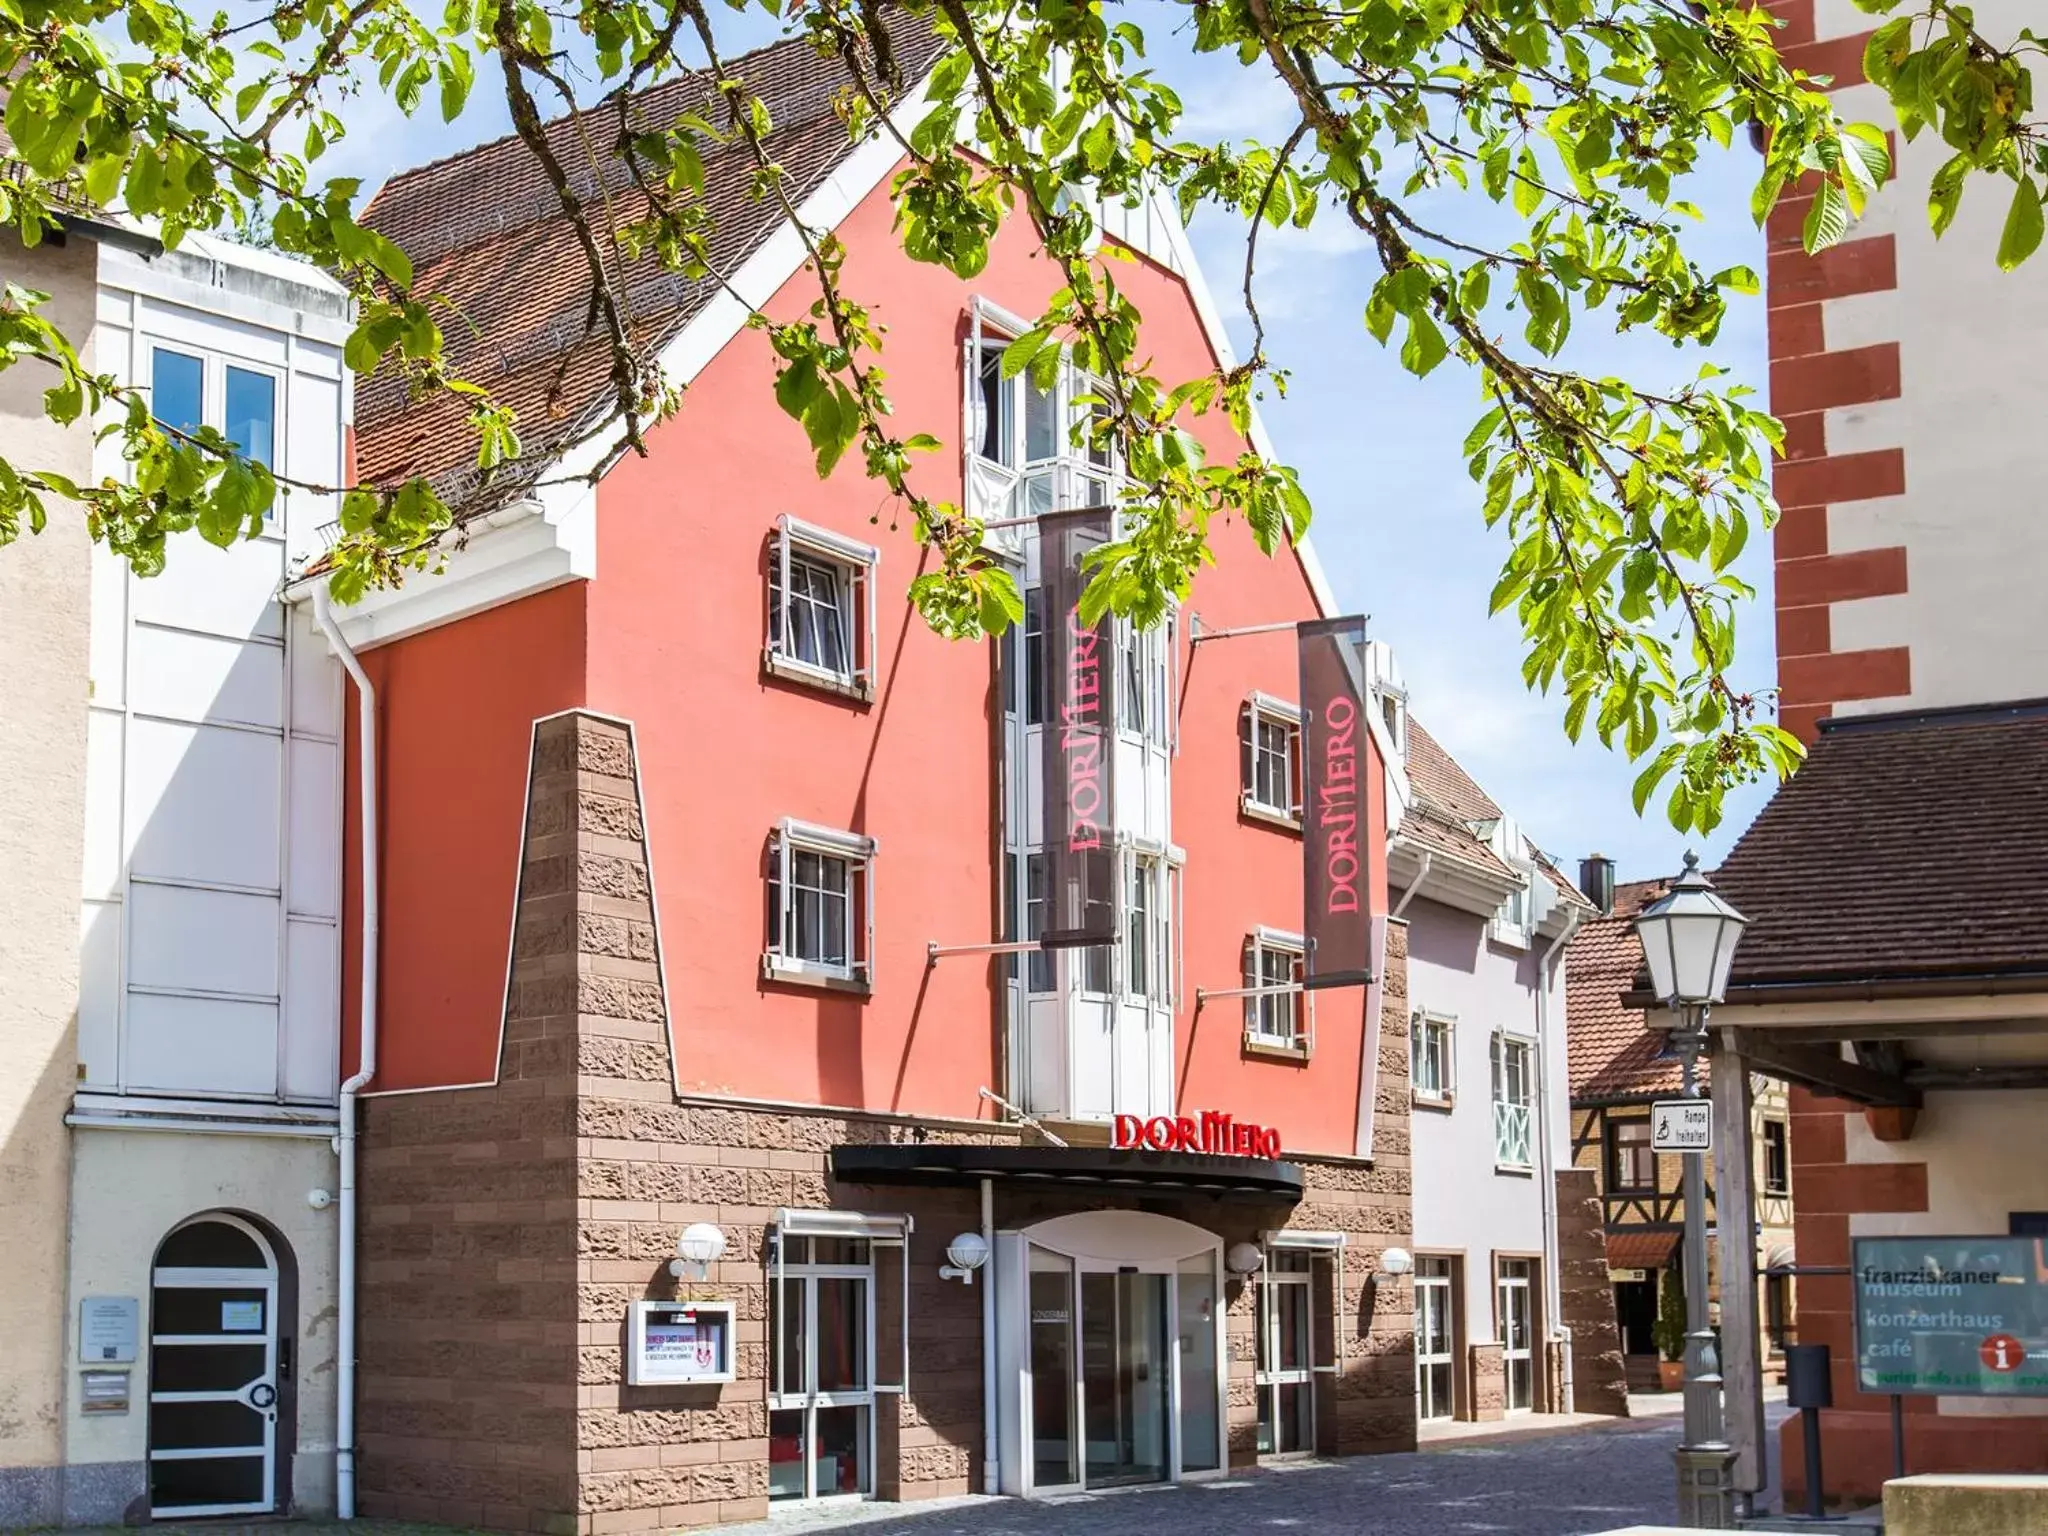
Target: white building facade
{"type": "Point", "coordinates": [1488, 920]}
{"type": "Point", "coordinates": [197, 1356]}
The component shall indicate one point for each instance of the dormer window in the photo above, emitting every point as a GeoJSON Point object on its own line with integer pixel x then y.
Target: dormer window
{"type": "Point", "coordinates": [1514, 923]}
{"type": "Point", "coordinates": [1394, 715]}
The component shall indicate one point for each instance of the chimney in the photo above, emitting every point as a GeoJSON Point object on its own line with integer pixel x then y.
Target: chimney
{"type": "Point", "coordinates": [1596, 879]}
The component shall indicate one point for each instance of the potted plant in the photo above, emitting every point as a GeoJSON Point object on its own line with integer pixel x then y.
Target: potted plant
{"type": "Point", "coordinates": [1671, 1332]}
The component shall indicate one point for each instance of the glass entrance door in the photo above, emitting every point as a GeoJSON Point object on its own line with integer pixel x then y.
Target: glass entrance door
{"type": "Point", "coordinates": [1285, 1378]}
{"type": "Point", "coordinates": [1054, 1398]}
{"type": "Point", "coordinates": [1433, 1335]}
{"type": "Point", "coordinates": [822, 1397]}
{"type": "Point", "coordinates": [1110, 1337]}
{"type": "Point", "coordinates": [1126, 1377]}
{"type": "Point", "coordinates": [1517, 1335]}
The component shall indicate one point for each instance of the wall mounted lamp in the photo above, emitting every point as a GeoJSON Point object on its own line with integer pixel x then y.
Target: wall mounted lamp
{"type": "Point", "coordinates": [964, 1255]}
{"type": "Point", "coordinates": [697, 1250]}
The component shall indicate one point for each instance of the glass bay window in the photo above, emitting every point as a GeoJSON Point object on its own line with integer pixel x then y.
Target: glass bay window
{"type": "Point", "coordinates": [1091, 1033]}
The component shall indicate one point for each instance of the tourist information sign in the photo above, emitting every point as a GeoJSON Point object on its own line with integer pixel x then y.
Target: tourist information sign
{"type": "Point", "coordinates": [1952, 1316]}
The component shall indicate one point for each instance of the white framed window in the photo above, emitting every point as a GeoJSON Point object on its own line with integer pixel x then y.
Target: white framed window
{"type": "Point", "coordinates": [1777, 1157]}
{"type": "Point", "coordinates": [1148, 927]}
{"type": "Point", "coordinates": [1144, 696]}
{"type": "Point", "coordinates": [1431, 1058]}
{"type": "Point", "coordinates": [820, 905]}
{"type": "Point", "coordinates": [1394, 715]}
{"type": "Point", "coordinates": [1514, 923]}
{"type": "Point", "coordinates": [1273, 1019]}
{"type": "Point", "coordinates": [1514, 1078]}
{"type": "Point", "coordinates": [1032, 448]}
{"type": "Point", "coordinates": [1269, 760]}
{"type": "Point", "coordinates": [1040, 966]}
{"type": "Point", "coordinates": [1511, 924]}
{"type": "Point", "coordinates": [821, 609]}
{"type": "Point", "coordinates": [190, 389]}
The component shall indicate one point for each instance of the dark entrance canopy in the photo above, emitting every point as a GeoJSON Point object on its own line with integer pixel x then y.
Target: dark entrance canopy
{"type": "Point", "coordinates": [1138, 1171]}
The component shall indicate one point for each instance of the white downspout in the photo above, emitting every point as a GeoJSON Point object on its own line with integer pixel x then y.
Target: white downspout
{"type": "Point", "coordinates": [1553, 1287]}
{"type": "Point", "coordinates": [345, 1142]}
{"type": "Point", "coordinates": [991, 1443]}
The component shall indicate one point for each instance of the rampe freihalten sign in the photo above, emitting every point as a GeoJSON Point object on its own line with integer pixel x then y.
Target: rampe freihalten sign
{"type": "Point", "coordinates": [1952, 1316]}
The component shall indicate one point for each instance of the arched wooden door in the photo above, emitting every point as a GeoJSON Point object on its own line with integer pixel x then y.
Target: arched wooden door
{"type": "Point", "coordinates": [213, 1370]}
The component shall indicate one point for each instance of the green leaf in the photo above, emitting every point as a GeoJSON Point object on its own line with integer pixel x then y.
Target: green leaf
{"type": "Point", "coordinates": [1869, 153]}
{"type": "Point", "coordinates": [1945, 193]}
{"type": "Point", "coordinates": [1528, 182]}
{"type": "Point", "coordinates": [1648, 780]}
{"type": "Point", "coordinates": [2021, 236]}
{"type": "Point", "coordinates": [1828, 219]}
{"type": "Point", "coordinates": [796, 386]}
{"type": "Point", "coordinates": [1425, 346]}
{"type": "Point", "coordinates": [1474, 287]}
{"type": "Point", "coordinates": [1017, 356]}
{"type": "Point", "coordinates": [1379, 313]}
{"type": "Point", "coordinates": [361, 351]}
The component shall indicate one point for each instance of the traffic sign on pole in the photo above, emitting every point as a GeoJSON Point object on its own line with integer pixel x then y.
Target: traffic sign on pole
{"type": "Point", "coordinates": [1682, 1125]}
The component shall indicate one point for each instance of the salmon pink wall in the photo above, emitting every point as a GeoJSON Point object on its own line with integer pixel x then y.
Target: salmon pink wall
{"type": "Point", "coordinates": [676, 625]}
{"type": "Point", "coordinates": [456, 707]}
{"type": "Point", "coordinates": [1244, 874]}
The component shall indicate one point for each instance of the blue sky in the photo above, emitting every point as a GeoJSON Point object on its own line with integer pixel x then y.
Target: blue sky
{"type": "Point", "coordinates": [1397, 520]}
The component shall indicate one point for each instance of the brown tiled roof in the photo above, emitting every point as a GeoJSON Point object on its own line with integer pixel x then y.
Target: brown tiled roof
{"type": "Point", "coordinates": [1640, 1250]}
{"type": "Point", "coordinates": [485, 232]}
{"type": "Point", "coordinates": [1448, 800]}
{"type": "Point", "coordinates": [1426, 825]}
{"type": "Point", "coordinates": [1435, 776]}
{"type": "Point", "coordinates": [1907, 847]}
{"type": "Point", "coordinates": [1611, 1053]}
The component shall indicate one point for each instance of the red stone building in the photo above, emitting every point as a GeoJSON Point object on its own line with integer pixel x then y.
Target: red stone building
{"type": "Point", "coordinates": [692, 844]}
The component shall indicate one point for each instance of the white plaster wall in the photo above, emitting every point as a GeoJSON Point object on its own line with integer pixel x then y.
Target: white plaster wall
{"type": "Point", "coordinates": [1974, 518]}
{"type": "Point", "coordinates": [129, 1189]}
{"type": "Point", "coordinates": [1979, 1170]}
{"type": "Point", "coordinates": [44, 588]}
{"type": "Point", "coordinates": [1462, 1202]}
{"type": "Point", "coordinates": [212, 881]}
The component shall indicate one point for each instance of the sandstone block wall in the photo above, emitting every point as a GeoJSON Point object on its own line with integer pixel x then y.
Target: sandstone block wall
{"type": "Point", "coordinates": [1599, 1375]}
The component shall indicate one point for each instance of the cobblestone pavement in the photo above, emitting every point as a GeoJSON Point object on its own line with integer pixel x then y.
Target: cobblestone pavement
{"type": "Point", "coordinates": [1568, 1484]}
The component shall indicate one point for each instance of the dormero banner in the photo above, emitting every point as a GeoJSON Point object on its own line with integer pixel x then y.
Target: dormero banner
{"type": "Point", "coordinates": [1080, 739]}
{"type": "Point", "coordinates": [1336, 840]}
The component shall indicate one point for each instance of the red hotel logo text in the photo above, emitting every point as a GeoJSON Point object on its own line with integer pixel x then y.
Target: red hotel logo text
{"type": "Point", "coordinates": [1213, 1132]}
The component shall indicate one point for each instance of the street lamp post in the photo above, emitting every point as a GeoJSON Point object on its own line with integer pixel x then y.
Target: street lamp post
{"type": "Point", "coordinates": [1688, 937]}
